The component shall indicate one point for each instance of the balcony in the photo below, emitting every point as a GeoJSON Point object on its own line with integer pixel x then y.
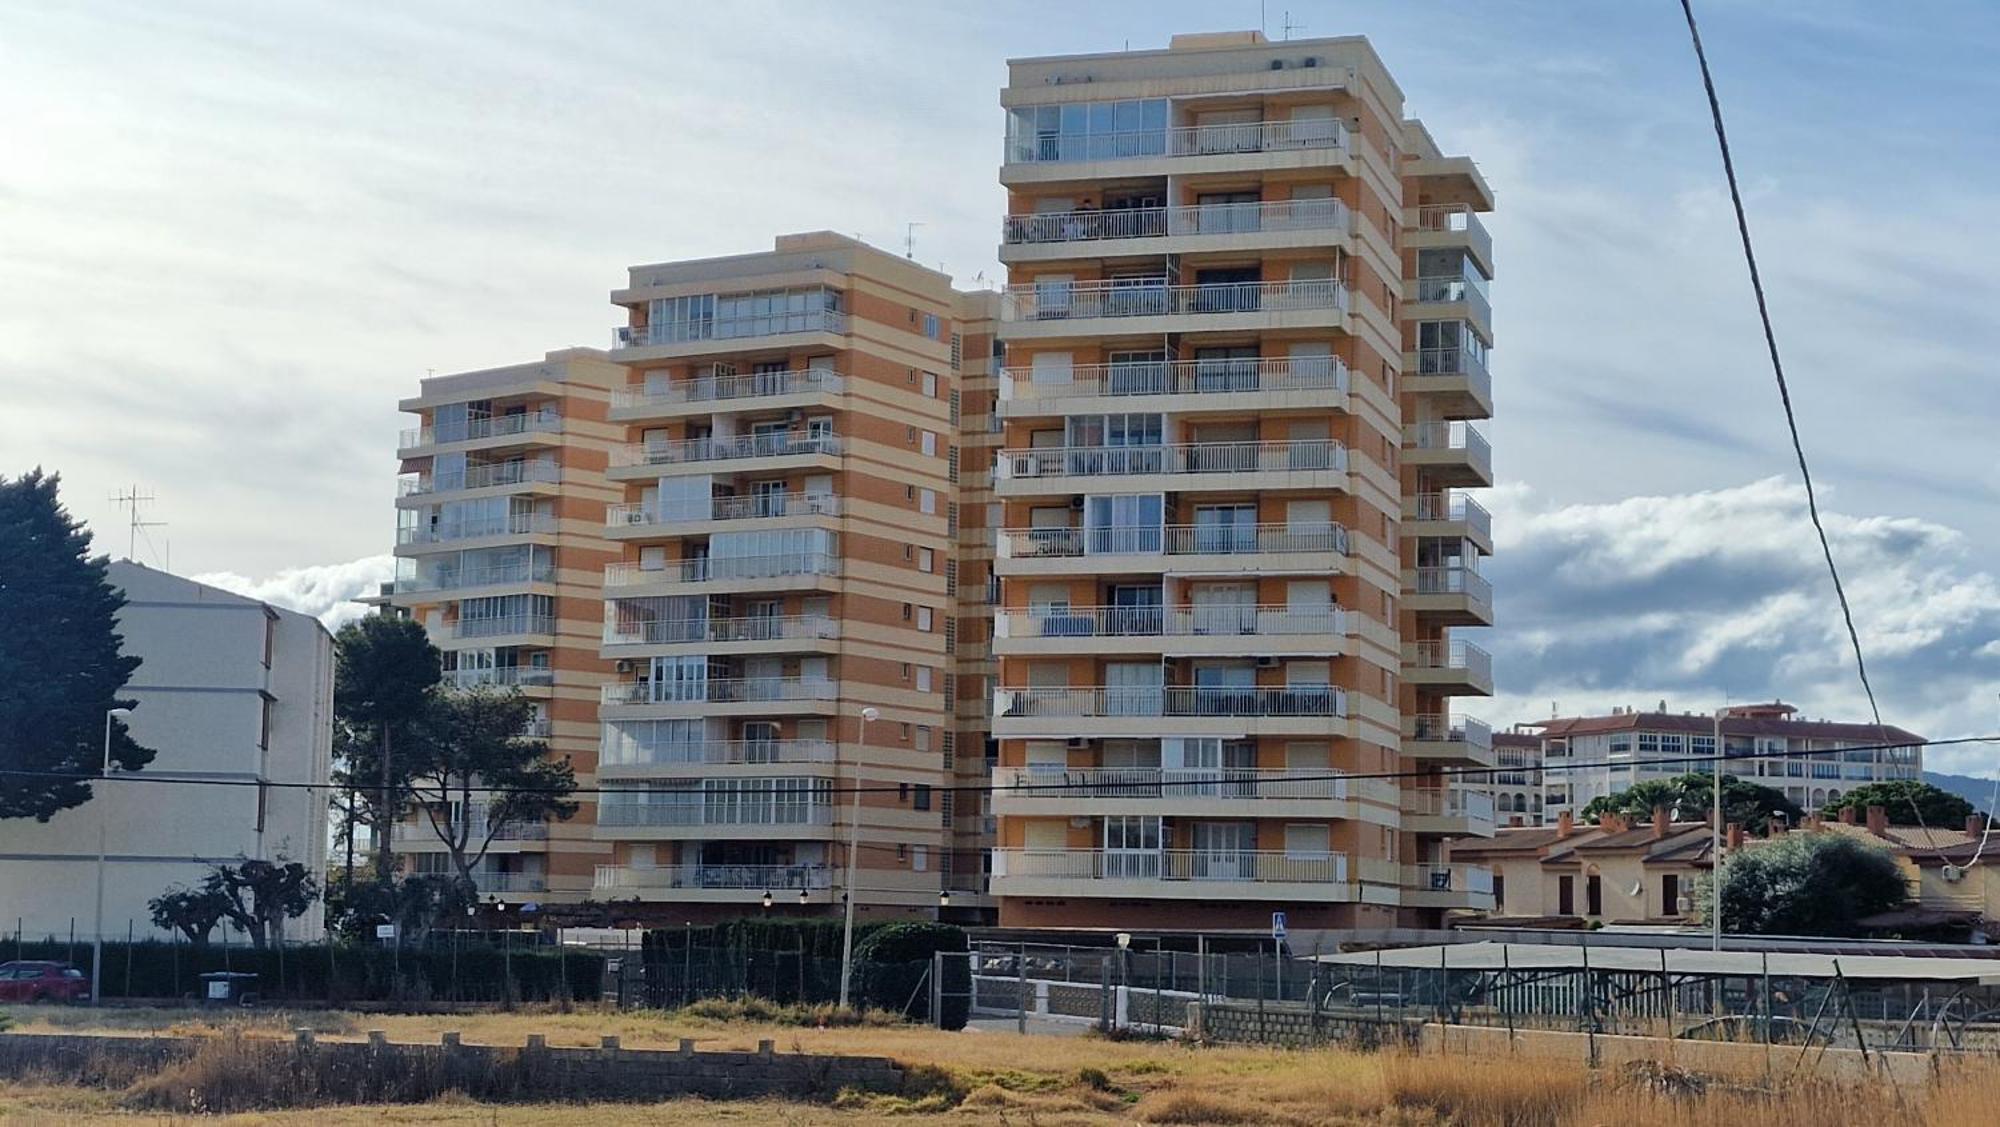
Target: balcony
{"type": "Point", "coordinates": [510, 882]}
{"type": "Point", "coordinates": [1453, 667]}
{"type": "Point", "coordinates": [510, 676]}
{"type": "Point", "coordinates": [1451, 225]}
{"type": "Point", "coordinates": [1199, 227]}
{"type": "Point", "coordinates": [503, 625]}
{"type": "Point", "coordinates": [1189, 791]}
{"type": "Point", "coordinates": [783, 322]}
{"type": "Point", "coordinates": [731, 809]}
{"type": "Point", "coordinates": [1449, 596]}
{"type": "Point", "coordinates": [1449, 886]}
{"type": "Point", "coordinates": [517, 524]}
{"type": "Point", "coordinates": [1180, 148]}
{"type": "Point", "coordinates": [780, 572]}
{"type": "Point", "coordinates": [1251, 465]}
{"type": "Point", "coordinates": [1172, 873]}
{"type": "Point", "coordinates": [528, 425]}
{"type": "Point", "coordinates": [1453, 454]}
{"type": "Point", "coordinates": [542, 471]}
{"type": "Point", "coordinates": [1449, 740]}
{"type": "Point", "coordinates": [1190, 549]}
{"type": "Point", "coordinates": [1461, 298]}
{"type": "Point", "coordinates": [1453, 811]}
{"type": "Point", "coordinates": [763, 694]}
{"type": "Point", "coordinates": [690, 882]}
{"type": "Point", "coordinates": [1448, 515]}
{"type": "Point", "coordinates": [1211, 385]}
{"type": "Point", "coordinates": [704, 395]}
{"type": "Point", "coordinates": [1148, 306]}
{"type": "Point", "coordinates": [1454, 381]}
{"type": "Point", "coordinates": [640, 518]}
{"type": "Point", "coordinates": [723, 631]}
{"type": "Point", "coordinates": [1193, 710]}
{"type": "Point", "coordinates": [481, 825]}
{"type": "Point", "coordinates": [1223, 631]}
{"type": "Point", "coordinates": [714, 753]}
{"type": "Point", "coordinates": [539, 571]}
{"type": "Point", "coordinates": [647, 459]}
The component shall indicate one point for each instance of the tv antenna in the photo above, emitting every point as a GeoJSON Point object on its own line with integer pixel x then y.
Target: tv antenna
{"type": "Point", "coordinates": [910, 238]}
{"type": "Point", "coordinates": [134, 499]}
{"type": "Point", "coordinates": [1291, 27]}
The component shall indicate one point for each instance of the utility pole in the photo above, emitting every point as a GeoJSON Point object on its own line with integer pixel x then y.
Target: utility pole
{"type": "Point", "coordinates": [1715, 828]}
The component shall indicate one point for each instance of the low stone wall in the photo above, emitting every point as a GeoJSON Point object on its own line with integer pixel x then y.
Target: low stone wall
{"type": "Point", "coordinates": [385, 1071]}
{"type": "Point", "coordinates": [1291, 1024]}
{"type": "Point", "coordinates": [1720, 1058]}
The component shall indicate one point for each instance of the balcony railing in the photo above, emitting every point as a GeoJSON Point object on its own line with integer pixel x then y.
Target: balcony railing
{"type": "Point", "coordinates": [1178, 700]}
{"type": "Point", "coordinates": [1451, 506]}
{"type": "Point", "coordinates": [745, 878]}
{"type": "Point", "coordinates": [1450, 436]}
{"type": "Point", "coordinates": [1155, 298]}
{"type": "Point", "coordinates": [1454, 803]}
{"type": "Point", "coordinates": [1172, 622]}
{"type": "Point", "coordinates": [510, 882]}
{"type": "Point", "coordinates": [1455, 362]}
{"type": "Point", "coordinates": [720, 691]}
{"type": "Point", "coordinates": [504, 624]}
{"type": "Point", "coordinates": [541, 571]}
{"type": "Point", "coordinates": [715, 753]}
{"type": "Point", "coordinates": [1175, 458]}
{"type": "Point", "coordinates": [1197, 219]}
{"type": "Point", "coordinates": [752, 506]}
{"type": "Point", "coordinates": [730, 810]}
{"type": "Point", "coordinates": [1451, 878]}
{"type": "Point", "coordinates": [482, 477]}
{"type": "Point", "coordinates": [1439, 727]}
{"type": "Point", "coordinates": [1168, 782]}
{"type": "Point", "coordinates": [758, 628]}
{"type": "Point", "coordinates": [495, 426]}
{"type": "Point", "coordinates": [516, 524]}
{"type": "Point", "coordinates": [511, 675]}
{"type": "Point", "coordinates": [481, 824]}
{"type": "Point", "coordinates": [730, 328]}
{"type": "Point", "coordinates": [1455, 581]}
{"type": "Point", "coordinates": [723, 449]}
{"type": "Point", "coordinates": [716, 389]}
{"type": "Point", "coordinates": [1245, 866]}
{"type": "Point", "coordinates": [735, 567]}
{"type": "Point", "coordinates": [1174, 540]}
{"type": "Point", "coordinates": [1177, 377]}
{"type": "Point", "coordinates": [1446, 291]}
{"type": "Point", "coordinates": [1455, 654]}
{"type": "Point", "coordinates": [540, 728]}
{"type": "Point", "coordinates": [1180, 141]}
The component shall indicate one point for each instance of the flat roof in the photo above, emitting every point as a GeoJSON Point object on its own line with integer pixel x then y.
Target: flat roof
{"type": "Point", "coordinates": [1678, 960]}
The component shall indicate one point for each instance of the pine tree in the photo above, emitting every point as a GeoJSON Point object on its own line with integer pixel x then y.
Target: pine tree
{"type": "Point", "coordinates": [60, 662]}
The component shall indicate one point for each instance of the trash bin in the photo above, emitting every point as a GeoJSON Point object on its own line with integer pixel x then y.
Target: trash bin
{"type": "Point", "coordinates": [228, 988]}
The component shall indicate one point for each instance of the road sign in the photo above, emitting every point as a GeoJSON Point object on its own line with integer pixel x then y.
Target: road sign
{"type": "Point", "coordinates": [1278, 926]}
{"type": "Point", "coordinates": [385, 931]}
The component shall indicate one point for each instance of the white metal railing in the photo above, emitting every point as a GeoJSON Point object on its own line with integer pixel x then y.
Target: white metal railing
{"type": "Point", "coordinates": [755, 628]}
{"type": "Point", "coordinates": [514, 524]}
{"type": "Point", "coordinates": [720, 690]}
{"type": "Point", "coordinates": [749, 506]}
{"type": "Point", "coordinates": [1251, 866]}
{"type": "Point", "coordinates": [1439, 727]}
{"type": "Point", "coordinates": [1457, 363]}
{"type": "Point", "coordinates": [479, 815]}
{"type": "Point", "coordinates": [733, 809]}
{"type": "Point", "coordinates": [514, 675]}
{"type": "Point", "coordinates": [1168, 782]}
{"type": "Point", "coordinates": [1447, 291]}
{"type": "Point", "coordinates": [1455, 581]}
{"type": "Point", "coordinates": [1454, 654]}
{"type": "Point", "coordinates": [1171, 458]}
{"type": "Point", "coordinates": [1451, 218]}
{"type": "Point", "coordinates": [1447, 505]}
{"type": "Point", "coordinates": [749, 385]}
{"type": "Point", "coordinates": [542, 571]}
{"type": "Point", "coordinates": [1173, 540]}
{"type": "Point", "coordinates": [745, 878]}
{"type": "Point", "coordinates": [1180, 141]}
{"type": "Point", "coordinates": [1196, 219]}
{"type": "Point", "coordinates": [540, 728]}
{"type": "Point", "coordinates": [1450, 436]}
{"type": "Point", "coordinates": [1174, 700]}
{"type": "Point", "coordinates": [1451, 878]}
{"type": "Point", "coordinates": [723, 449]}
{"type": "Point", "coordinates": [1154, 298]}
{"type": "Point", "coordinates": [730, 328]}
{"type": "Point", "coordinates": [542, 470]}
{"type": "Point", "coordinates": [503, 624]}
{"type": "Point", "coordinates": [1450, 803]}
{"type": "Point", "coordinates": [1177, 377]}
{"type": "Point", "coordinates": [510, 882]}
{"type": "Point", "coordinates": [1170, 622]}
{"type": "Point", "coordinates": [735, 567]}
{"type": "Point", "coordinates": [716, 753]}
{"type": "Point", "coordinates": [494, 426]}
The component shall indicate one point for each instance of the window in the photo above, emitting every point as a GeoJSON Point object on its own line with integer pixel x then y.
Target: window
{"type": "Point", "coordinates": [906, 612]}
{"type": "Point", "coordinates": [924, 678]}
{"type": "Point", "coordinates": [931, 330]}
{"type": "Point", "coordinates": [264, 724]}
{"type": "Point", "coordinates": [924, 737]}
{"type": "Point", "coordinates": [927, 500]}
{"type": "Point", "coordinates": [926, 559]}
{"type": "Point", "coordinates": [930, 444]}
{"type": "Point", "coordinates": [1670, 894]}
{"type": "Point", "coordinates": [930, 385]}
{"type": "Point", "coordinates": [923, 797]}
{"type": "Point", "coordinates": [909, 551]}
{"type": "Point", "coordinates": [924, 619]}
{"type": "Point", "coordinates": [270, 635]}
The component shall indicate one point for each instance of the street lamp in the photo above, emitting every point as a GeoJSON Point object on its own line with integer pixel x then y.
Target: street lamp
{"type": "Point", "coordinates": [853, 848]}
{"type": "Point", "coordinates": [103, 819]}
{"type": "Point", "coordinates": [944, 898]}
{"type": "Point", "coordinates": [804, 898]}
{"type": "Point", "coordinates": [767, 899]}
{"type": "Point", "coordinates": [1715, 828]}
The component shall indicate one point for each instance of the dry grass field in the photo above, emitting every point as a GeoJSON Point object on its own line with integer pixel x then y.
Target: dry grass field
{"type": "Point", "coordinates": [1001, 1078]}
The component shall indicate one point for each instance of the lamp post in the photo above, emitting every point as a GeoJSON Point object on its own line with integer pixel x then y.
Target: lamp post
{"type": "Point", "coordinates": [853, 848]}
{"type": "Point", "coordinates": [1715, 847]}
{"type": "Point", "coordinates": [103, 818]}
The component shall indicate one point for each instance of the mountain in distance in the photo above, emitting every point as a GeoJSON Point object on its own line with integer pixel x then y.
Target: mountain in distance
{"type": "Point", "coordinates": [1979, 792]}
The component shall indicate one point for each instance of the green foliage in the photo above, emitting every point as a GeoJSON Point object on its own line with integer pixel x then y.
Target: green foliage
{"type": "Point", "coordinates": [60, 663]}
{"type": "Point", "coordinates": [1807, 884]}
{"type": "Point", "coordinates": [472, 739]}
{"type": "Point", "coordinates": [384, 670]}
{"type": "Point", "coordinates": [257, 896]}
{"type": "Point", "coordinates": [416, 904]}
{"type": "Point", "coordinates": [911, 945]}
{"type": "Point", "coordinates": [1904, 800]}
{"type": "Point", "coordinates": [193, 912]}
{"type": "Point", "coordinates": [797, 960]}
{"type": "Point", "coordinates": [1689, 798]}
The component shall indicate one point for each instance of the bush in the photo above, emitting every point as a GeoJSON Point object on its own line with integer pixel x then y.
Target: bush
{"type": "Point", "coordinates": [1808, 884]}
{"type": "Point", "coordinates": [793, 960]}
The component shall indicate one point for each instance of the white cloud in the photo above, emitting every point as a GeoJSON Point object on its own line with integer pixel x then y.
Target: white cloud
{"type": "Point", "coordinates": [325, 591]}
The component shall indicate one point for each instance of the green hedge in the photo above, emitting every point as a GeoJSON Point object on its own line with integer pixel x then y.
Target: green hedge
{"type": "Point", "coordinates": [791, 960]}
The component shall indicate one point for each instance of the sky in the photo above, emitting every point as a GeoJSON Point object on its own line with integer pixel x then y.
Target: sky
{"type": "Point", "coordinates": [232, 236]}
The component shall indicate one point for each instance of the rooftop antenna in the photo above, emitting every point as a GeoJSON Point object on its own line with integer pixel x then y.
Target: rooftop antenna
{"type": "Point", "coordinates": [133, 498]}
{"type": "Point", "coordinates": [1291, 27]}
{"type": "Point", "coordinates": [910, 238]}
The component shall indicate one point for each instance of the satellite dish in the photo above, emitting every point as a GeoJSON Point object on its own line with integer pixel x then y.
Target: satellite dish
{"type": "Point", "coordinates": [1638, 888]}
{"type": "Point", "coordinates": [1953, 874]}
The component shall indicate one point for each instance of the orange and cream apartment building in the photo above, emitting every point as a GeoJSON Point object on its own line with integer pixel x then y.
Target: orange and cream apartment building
{"type": "Point", "coordinates": [1164, 540]}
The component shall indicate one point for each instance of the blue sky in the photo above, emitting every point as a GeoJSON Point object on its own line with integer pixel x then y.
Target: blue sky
{"type": "Point", "coordinates": [232, 236]}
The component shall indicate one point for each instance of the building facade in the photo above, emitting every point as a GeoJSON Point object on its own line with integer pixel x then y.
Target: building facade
{"type": "Point", "coordinates": [231, 692]}
{"type": "Point", "coordinates": [1244, 332]}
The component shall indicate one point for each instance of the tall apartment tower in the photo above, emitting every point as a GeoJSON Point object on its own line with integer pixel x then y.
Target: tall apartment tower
{"type": "Point", "coordinates": [780, 614]}
{"type": "Point", "coordinates": [500, 550]}
{"type": "Point", "coordinates": [1244, 328]}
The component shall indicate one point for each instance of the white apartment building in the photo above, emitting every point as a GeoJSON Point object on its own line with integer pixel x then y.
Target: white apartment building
{"type": "Point", "coordinates": [231, 692]}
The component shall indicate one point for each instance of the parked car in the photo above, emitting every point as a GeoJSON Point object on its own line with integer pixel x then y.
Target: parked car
{"type": "Point", "coordinates": [38, 981]}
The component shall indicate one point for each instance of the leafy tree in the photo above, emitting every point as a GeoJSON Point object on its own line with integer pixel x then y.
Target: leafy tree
{"type": "Point", "coordinates": [258, 896]}
{"type": "Point", "coordinates": [471, 754]}
{"type": "Point", "coordinates": [385, 669]}
{"type": "Point", "coordinates": [1690, 798]}
{"type": "Point", "coordinates": [1807, 884]}
{"type": "Point", "coordinates": [193, 912]}
{"type": "Point", "coordinates": [1904, 799]}
{"type": "Point", "coordinates": [415, 904]}
{"type": "Point", "coordinates": [60, 664]}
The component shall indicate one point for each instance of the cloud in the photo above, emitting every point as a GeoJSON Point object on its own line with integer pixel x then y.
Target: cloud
{"type": "Point", "coordinates": [1694, 598]}
{"type": "Point", "coordinates": [325, 591]}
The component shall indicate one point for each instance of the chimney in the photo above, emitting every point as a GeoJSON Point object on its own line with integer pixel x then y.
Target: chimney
{"type": "Point", "coordinates": [1847, 815]}
{"type": "Point", "coordinates": [1975, 824]}
{"type": "Point", "coordinates": [1878, 821]}
{"type": "Point", "coordinates": [1661, 819]}
{"type": "Point", "coordinates": [1612, 823]}
{"type": "Point", "coordinates": [1565, 825]}
{"type": "Point", "coordinates": [1816, 823]}
{"type": "Point", "coordinates": [1776, 826]}
{"type": "Point", "coordinates": [1733, 836]}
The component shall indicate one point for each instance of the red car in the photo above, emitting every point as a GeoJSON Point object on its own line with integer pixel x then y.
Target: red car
{"type": "Point", "coordinates": [37, 981]}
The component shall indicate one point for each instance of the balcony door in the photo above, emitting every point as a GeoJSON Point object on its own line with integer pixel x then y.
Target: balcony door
{"type": "Point", "coordinates": [1134, 610]}
{"type": "Point", "coordinates": [1226, 369]}
{"type": "Point", "coordinates": [1225, 609]}
{"type": "Point", "coordinates": [1224, 851]}
{"type": "Point", "coordinates": [1225, 213]}
{"type": "Point", "coordinates": [1134, 688]}
{"type": "Point", "coordinates": [1132, 847]}
{"type": "Point", "coordinates": [1123, 523]}
{"type": "Point", "coordinates": [679, 679]}
{"type": "Point", "coordinates": [1225, 528]}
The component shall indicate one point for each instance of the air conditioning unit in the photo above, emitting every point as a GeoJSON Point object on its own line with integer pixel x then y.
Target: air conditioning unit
{"type": "Point", "coordinates": [1952, 874]}
{"type": "Point", "coordinates": [1277, 64]}
{"type": "Point", "coordinates": [1076, 743]}
{"type": "Point", "coordinates": [1076, 503]}
{"type": "Point", "coordinates": [1309, 61]}
{"type": "Point", "coordinates": [1267, 663]}
{"type": "Point", "coordinates": [624, 665]}
{"type": "Point", "coordinates": [795, 415]}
